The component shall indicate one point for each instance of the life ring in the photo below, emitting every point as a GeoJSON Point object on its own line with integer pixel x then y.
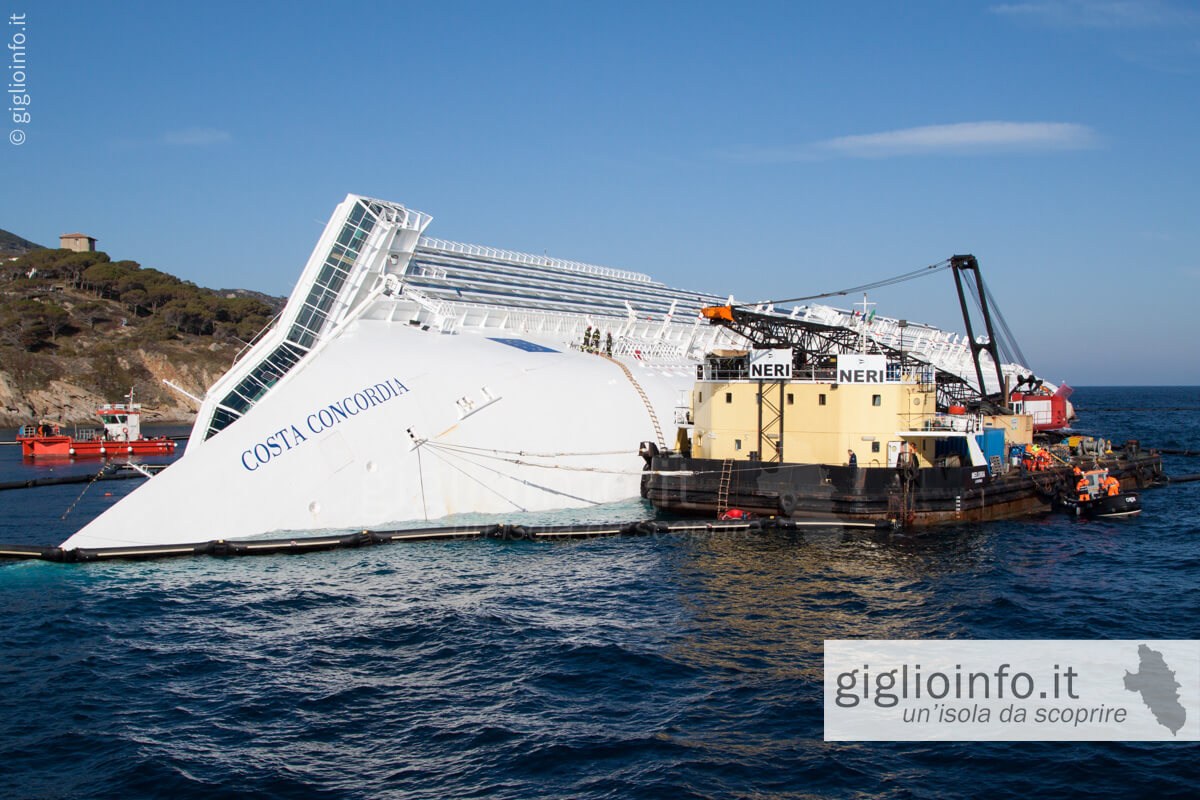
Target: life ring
{"type": "Point", "coordinates": [125, 433]}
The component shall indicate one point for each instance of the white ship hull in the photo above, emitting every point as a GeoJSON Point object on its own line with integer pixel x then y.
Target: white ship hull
{"type": "Point", "coordinates": [546, 430]}
{"type": "Point", "coordinates": [411, 379]}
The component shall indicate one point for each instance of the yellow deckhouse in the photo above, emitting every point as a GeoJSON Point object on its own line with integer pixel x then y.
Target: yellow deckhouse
{"type": "Point", "coordinates": [749, 406]}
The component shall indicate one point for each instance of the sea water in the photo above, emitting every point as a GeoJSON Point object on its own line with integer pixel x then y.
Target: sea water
{"type": "Point", "coordinates": [657, 667]}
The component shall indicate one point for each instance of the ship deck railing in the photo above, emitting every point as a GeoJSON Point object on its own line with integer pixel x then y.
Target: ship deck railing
{"type": "Point", "coordinates": [922, 375]}
{"type": "Point", "coordinates": [952, 424]}
{"type": "Point", "coordinates": [430, 243]}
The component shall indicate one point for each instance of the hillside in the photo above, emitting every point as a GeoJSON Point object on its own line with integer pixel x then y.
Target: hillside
{"type": "Point", "coordinates": [77, 329]}
{"type": "Point", "coordinates": [13, 245]}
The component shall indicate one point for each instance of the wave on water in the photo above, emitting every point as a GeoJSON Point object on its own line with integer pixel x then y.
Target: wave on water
{"type": "Point", "coordinates": [663, 666]}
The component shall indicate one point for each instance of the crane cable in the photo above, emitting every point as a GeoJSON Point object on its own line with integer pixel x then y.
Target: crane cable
{"type": "Point", "coordinates": [907, 276]}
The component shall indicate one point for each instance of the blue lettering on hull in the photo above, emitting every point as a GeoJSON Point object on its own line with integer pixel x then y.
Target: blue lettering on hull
{"type": "Point", "coordinates": [289, 437]}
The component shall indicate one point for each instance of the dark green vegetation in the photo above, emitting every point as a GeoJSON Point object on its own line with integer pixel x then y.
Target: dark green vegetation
{"type": "Point", "coordinates": [105, 326]}
{"type": "Point", "coordinates": [53, 294]}
{"type": "Point", "coordinates": [13, 245]}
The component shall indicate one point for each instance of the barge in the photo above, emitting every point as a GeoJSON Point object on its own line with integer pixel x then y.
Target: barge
{"type": "Point", "coordinates": [809, 425]}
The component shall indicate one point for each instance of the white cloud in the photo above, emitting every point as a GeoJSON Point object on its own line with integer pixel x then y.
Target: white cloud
{"type": "Point", "coordinates": [963, 138]}
{"type": "Point", "coordinates": [197, 137]}
{"type": "Point", "coordinates": [958, 139]}
{"type": "Point", "coordinates": [1109, 14]}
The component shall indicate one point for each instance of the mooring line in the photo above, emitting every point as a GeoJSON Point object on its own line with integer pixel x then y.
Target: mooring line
{"type": "Point", "coordinates": [81, 494]}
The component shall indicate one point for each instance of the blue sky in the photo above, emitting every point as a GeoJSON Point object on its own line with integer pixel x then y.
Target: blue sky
{"type": "Point", "coordinates": [763, 149]}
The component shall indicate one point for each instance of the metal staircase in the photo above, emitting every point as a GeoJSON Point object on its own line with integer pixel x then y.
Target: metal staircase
{"type": "Point", "coordinates": [662, 443]}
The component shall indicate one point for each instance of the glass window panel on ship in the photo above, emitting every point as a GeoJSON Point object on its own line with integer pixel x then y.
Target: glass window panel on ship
{"type": "Point", "coordinates": [301, 336]}
{"type": "Point", "coordinates": [249, 389]}
{"type": "Point", "coordinates": [309, 321]}
{"type": "Point", "coordinates": [235, 402]}
{"type": "Point", "coordinates": [220, 419]}
{"type": "Point", "coordinates": [303, 318]}
{"type": "Point", "coordinates": [309, 331]}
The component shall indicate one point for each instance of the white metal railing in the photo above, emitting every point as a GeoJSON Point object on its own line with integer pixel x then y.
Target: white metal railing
{"type": "Point", "coordinates": [446, 246]}
{"type": "Point", "coordinates": [646, 340]}
{"type": "Point", "coordinates": [116, 408]}
{"type": "Point", "coordinates": [442, 311]}
{"type": "Point", "coordinates": [956, 423]}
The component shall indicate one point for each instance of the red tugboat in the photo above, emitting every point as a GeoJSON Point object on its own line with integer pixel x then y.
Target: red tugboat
{"type": "Point", "coordinates": [121, 435]}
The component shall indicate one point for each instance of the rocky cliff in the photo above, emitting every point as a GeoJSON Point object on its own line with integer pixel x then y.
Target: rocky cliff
{"type": "Point", "coordinates": [78, 330]}
{"type": "Point", "coordinates": [70, 389]}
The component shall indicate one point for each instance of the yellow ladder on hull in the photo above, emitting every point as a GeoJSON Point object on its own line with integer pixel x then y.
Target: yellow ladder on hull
{"type": "Point", "coordinates": [662, 443]}
{"type": "Point", "coordinates": [723, 491]}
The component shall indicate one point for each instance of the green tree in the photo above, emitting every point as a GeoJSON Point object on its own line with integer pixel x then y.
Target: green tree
{"type": "Point", "coordinates": [23, 324]}
{"type": "Point", "coordinates": [56, 320]}
{"type": "Point", "coordinates": [90, 310]}
{"type": "Point", "coordinates": [134, 298]}
{"type": "Point", "coordinates": [104, 278]}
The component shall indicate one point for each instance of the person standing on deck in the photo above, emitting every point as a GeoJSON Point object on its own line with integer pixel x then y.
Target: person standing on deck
{"type": "Point", "coordinates": [1082, 488]}
{"type": "Point", "coordinates": [853, 458]}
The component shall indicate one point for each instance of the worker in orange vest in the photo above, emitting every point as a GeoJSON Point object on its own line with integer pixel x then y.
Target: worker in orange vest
{"type": "Point", "coordinates": [1082, 488]}
{"type": "Point", "coordinates": [1111, 485]}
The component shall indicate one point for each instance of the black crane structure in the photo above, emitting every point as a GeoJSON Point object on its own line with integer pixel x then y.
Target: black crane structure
{"type": "Point", "coordinates": [815, 345]}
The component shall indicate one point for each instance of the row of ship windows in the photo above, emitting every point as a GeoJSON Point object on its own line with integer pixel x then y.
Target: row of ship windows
{"type": "Point", "coordinates": [308, 324]}
{"type": "Point", "coordinates": [876, 399]}
{"type": "Point", "coordinates": [737, 445]}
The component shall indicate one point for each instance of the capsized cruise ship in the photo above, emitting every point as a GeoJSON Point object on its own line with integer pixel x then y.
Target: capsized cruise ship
{"type": "Point", "coordinates": [411, 378]}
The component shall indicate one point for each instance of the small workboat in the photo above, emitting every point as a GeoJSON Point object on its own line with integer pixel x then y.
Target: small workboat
{"type": "Point", "coordinates": [120, 435]}
{"type": "Point", "coordinates": [1093, 500]}
{"type": "Point", "coordinates": [1124, 504]}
